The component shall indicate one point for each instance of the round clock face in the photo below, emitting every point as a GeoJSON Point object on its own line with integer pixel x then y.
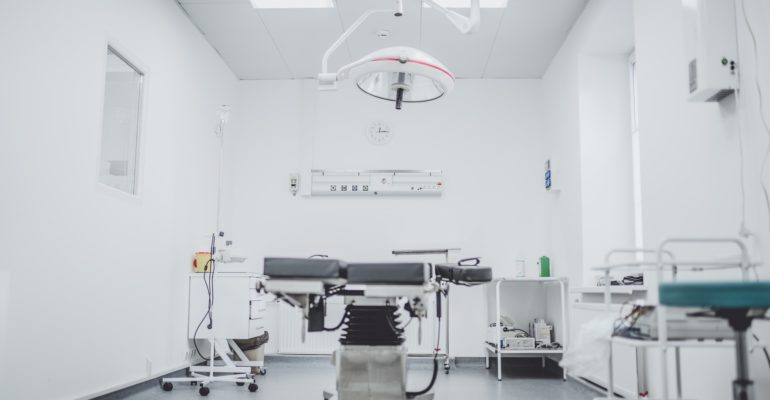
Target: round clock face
{"type": "Point", "coordinates": [379, 133]}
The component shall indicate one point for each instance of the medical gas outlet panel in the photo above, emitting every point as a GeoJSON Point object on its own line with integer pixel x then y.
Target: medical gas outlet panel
{"type": "Point", "coordinates": [377, 183]}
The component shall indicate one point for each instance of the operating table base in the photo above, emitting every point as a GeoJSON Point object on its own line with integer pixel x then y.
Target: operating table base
{"type": "Point", "coordinates": [371, 373]}
{"type": "Point", "coordinates": [330, 396]}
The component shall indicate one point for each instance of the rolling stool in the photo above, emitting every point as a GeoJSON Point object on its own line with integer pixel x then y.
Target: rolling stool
{"type": "Point", "coordinates": [737, 302]}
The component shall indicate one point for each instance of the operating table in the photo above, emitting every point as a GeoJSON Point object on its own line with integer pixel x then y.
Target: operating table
{"type": "Point", "coordinates": [371, 360]}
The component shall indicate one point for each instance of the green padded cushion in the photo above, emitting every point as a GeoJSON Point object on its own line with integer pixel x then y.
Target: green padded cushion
{"type": "Point", "coordinates": [716, 294]}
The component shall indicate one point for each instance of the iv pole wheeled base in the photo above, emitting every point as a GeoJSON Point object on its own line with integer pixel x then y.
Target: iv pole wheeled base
{"type": "Point", "coordinates": [227, 369]}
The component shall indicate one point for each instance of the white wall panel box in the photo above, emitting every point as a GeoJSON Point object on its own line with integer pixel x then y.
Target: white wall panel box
{"type": "Point", "coordinates": [377, 182]}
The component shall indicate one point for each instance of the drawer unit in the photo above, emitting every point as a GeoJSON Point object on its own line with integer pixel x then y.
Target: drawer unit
{"type": "Point", "coordinates": [257, 309]}
{"type": "Point", "coordinates": [256, 327]}
{"type": "Point", "coordinates": [238, 310]}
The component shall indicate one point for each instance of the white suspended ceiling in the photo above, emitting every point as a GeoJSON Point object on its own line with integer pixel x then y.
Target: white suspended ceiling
{"type": "Point", "coordinates": [518, 41]}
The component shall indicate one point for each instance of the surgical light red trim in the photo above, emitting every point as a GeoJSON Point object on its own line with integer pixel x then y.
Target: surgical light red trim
{"type": "Point", "coordinates": [417, 62]}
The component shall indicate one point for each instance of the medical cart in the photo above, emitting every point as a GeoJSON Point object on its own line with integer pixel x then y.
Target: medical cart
{"type": "Point", "coordinates": [237, 312]}
{"type": "Point", "coordinates": [665, 262]}
{"type": "Point", "coordinates": [561, 327]}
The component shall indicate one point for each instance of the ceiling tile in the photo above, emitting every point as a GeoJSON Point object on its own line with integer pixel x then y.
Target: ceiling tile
{"type": "Point", "coordinates": [289, 43]}
{"type": "Point", "coordinates": [464, 55]}
{"type": "Point", "coordinates": [531, 33]}
{"type": "Point", "coordinates": [303, 36]}
{"type": "Point", "coordinates": [404, 30]}
{"type": "Point", "coordinates": [236, 31]}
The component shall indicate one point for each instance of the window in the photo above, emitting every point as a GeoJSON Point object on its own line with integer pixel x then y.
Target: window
{"type": "Point", "coordinates": [121, 122]}
{"type": "Point", "coordinates": [635, 153]}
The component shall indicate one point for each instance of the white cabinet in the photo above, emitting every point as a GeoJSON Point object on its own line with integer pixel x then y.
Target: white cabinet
{"type": "Point", "coordinates": [238, 310]}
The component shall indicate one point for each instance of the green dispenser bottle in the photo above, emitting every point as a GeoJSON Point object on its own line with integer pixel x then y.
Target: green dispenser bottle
{"type": "Point", "coordinates": [545, 267]}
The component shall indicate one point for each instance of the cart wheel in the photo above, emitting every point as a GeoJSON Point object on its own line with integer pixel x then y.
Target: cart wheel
{"type": "Point", "coordinates": [167, 386]}
{"type": "Point", "coordinates": [253, 387]}
{"type": "Point", "coordinates": [263, 371]}
{"type": "Point", "coordinates": [193, 383]}
{"type": "Point", "coordinates": [239, 383]}
{"type": "Point", "coordinates": [204, 391]}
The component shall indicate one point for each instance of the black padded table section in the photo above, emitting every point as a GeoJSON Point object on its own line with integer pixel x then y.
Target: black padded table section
{"type": "Point", "coordinates": [307, 268]}
{"type": "Point", "coordinates": [464, 275]}
{"type": "Point", "coordinates": [388, 273]}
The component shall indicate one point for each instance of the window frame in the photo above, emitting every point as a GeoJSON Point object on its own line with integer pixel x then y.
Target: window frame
{"type": "Point", "coordinates": [636, 152]}
{"type": "Point", "coordinates": [133, 62]}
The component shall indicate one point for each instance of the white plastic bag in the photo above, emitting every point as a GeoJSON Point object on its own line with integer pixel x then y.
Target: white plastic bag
{"type": "Point", "coordinates": [591, 352]}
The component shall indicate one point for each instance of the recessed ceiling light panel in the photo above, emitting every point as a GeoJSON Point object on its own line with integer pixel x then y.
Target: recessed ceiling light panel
{"type": "Point", "coordinates": [292, 3]}
{"type": "Point", "coordinates": [467, 3]}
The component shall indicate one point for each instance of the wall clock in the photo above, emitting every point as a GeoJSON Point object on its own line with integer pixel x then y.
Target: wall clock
{"type": "Point", "coordinates": [379, 133]}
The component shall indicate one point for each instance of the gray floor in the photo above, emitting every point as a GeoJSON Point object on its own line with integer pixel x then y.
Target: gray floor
{"type": "Point", "coordinates": [305, 378]}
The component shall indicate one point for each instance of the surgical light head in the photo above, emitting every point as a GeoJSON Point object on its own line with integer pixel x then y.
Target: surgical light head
{"type": "Point", "coordinates": [399, 74]}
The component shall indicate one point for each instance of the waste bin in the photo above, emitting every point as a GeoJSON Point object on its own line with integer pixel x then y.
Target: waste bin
{"type": "Point", "coordinates": [254, 349]}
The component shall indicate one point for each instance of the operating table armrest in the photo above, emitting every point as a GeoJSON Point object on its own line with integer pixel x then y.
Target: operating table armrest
{"type": "Point", "coordinates": [463, 275]}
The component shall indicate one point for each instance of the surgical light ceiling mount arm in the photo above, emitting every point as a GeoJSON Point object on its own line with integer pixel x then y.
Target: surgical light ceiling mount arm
{"type": "Point", "coordinates": [399, 74]}
{"type": "Point", "coordinates": [464, 24]}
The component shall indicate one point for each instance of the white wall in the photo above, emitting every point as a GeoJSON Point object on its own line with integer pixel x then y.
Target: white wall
{"type": "Point", "coordinates": [689, 155]}
{"type": "Point", "coordinates": [588, 130]}
{"type": "Point", "coordinates": [605, 155]}
{"type": "Point", "coordinates": [588, 139]}
{"type": "Point", "coordinates": [97, 279]}
{"type": "Point", "coordinates": [691, 165]}
{"type": "Point", "coordinates": [486, 136]}
{"type": "Point", "coordinates": [563, 208]}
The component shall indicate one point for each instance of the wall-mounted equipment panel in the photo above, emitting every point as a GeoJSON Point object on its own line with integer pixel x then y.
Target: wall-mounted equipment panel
{"type": "Point", "coordinates": [377, 183]}
{"type": "Point", "coordinates": [710, 48]}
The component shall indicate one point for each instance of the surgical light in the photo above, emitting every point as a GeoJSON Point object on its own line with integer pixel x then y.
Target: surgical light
{"type": "Point", "coordinates": [399, 74]}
